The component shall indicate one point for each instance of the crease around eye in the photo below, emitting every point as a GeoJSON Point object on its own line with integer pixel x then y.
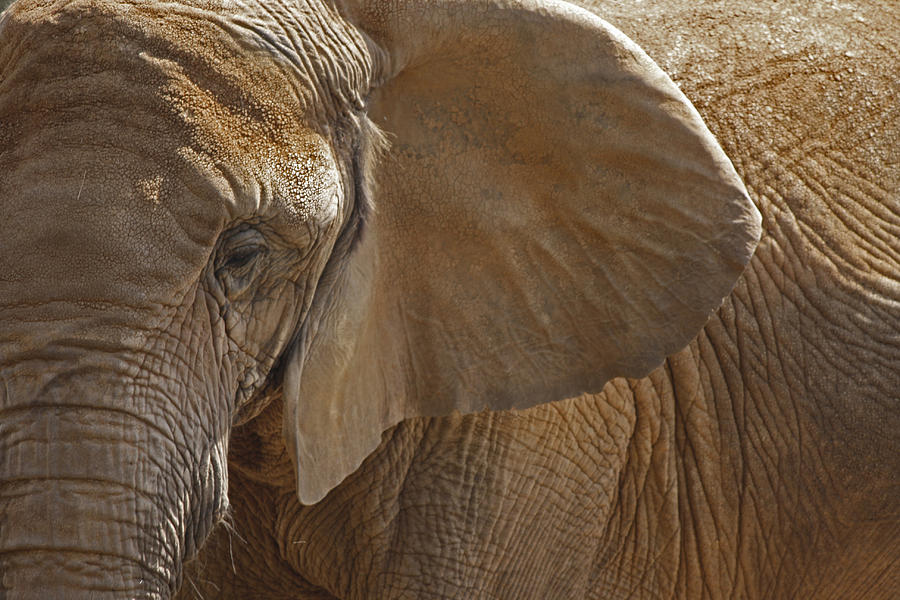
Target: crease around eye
{"type": "Point", "coordinates": [237, 260]}
{"type": "Point", "coordinates": [244, 255]}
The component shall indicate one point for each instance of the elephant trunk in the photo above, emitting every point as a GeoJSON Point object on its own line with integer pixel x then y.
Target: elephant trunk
{"type": "Point", "coordinates": [98, 497]}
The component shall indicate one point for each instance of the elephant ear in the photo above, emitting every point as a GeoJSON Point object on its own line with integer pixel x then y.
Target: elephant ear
{"type": "Point", "coordinates": [552, 213]}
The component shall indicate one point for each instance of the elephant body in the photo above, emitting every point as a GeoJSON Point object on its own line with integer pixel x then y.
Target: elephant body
{"type": "Point", "coordinates": [320, 238]}
{"type": "Point", "coordinates": [759, 462]}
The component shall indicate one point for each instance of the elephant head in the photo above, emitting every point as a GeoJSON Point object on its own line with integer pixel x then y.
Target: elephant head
{"type": "Point", "coordinates": [375, 210]}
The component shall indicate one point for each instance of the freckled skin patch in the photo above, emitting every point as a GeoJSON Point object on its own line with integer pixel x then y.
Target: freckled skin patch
{"type": "Point", "coordinates": [150, 188]}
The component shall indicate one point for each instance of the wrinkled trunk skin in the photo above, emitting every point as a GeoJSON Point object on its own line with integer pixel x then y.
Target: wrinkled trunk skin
{"type": "Point", "coordinates": [97, 497]}
{"type": "Point", "coordinates": [113, 421]}
{"type": "Point", "coordinates": [114, 407]}
{"type": "Point", "coordinates": [75, 507]}
{"type": "Point", "coordinates": [75, 524]}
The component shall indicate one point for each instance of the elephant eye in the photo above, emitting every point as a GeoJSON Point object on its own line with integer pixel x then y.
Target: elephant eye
{"type": "Point", "coordinates": [242, 257]}
{"type": "Point", "coordinates": [239, 260]}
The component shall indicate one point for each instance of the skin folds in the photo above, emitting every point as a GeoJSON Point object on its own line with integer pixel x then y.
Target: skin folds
{"type": "Point", "coordinates": [265, 266]}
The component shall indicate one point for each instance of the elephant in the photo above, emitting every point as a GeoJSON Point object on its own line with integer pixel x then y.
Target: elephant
{"type": "Point", "coordinates": [346, 299]}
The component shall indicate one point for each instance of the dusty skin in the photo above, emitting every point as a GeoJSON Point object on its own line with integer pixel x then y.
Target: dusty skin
{"type": "Point", "coordinates": [245, 248]}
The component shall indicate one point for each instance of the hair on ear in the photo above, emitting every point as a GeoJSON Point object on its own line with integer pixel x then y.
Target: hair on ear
{"type": "Point", "coordinates": [376, 141]}
{"type": "Point", "coordinates": [368, 144]}
{"type": "Point", "coordinates": [372, 144]}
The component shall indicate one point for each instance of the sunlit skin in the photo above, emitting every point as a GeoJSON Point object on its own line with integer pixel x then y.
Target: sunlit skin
{"type": "Point", "coordinates": [354, 299]}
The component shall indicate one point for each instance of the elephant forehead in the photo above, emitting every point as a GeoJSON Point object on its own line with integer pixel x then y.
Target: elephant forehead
{"type": "Point", "coordinates": [130, 138]}
{"type": "Point", "coordinates": [96, 230]}
{"type": "Point", "coordinates": [102, 224]}
{"type": "Point", "coordinates": [219, 89]}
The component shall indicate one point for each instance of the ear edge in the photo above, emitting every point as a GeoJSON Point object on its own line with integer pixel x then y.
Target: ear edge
{"type": "Point", "coordinates": [316, 488]}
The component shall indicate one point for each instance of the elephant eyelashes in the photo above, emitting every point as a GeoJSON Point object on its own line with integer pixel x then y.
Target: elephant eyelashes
{"type": "Point", "coordinates": [239, 259]}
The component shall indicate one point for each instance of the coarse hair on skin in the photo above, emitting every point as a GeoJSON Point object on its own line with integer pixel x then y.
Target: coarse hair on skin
{"type": "Point", "coordinates": [367, 145]}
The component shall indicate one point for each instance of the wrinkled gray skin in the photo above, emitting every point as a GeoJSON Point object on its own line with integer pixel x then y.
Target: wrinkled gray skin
{"type": "Point", "coordinates": [761, 461]}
